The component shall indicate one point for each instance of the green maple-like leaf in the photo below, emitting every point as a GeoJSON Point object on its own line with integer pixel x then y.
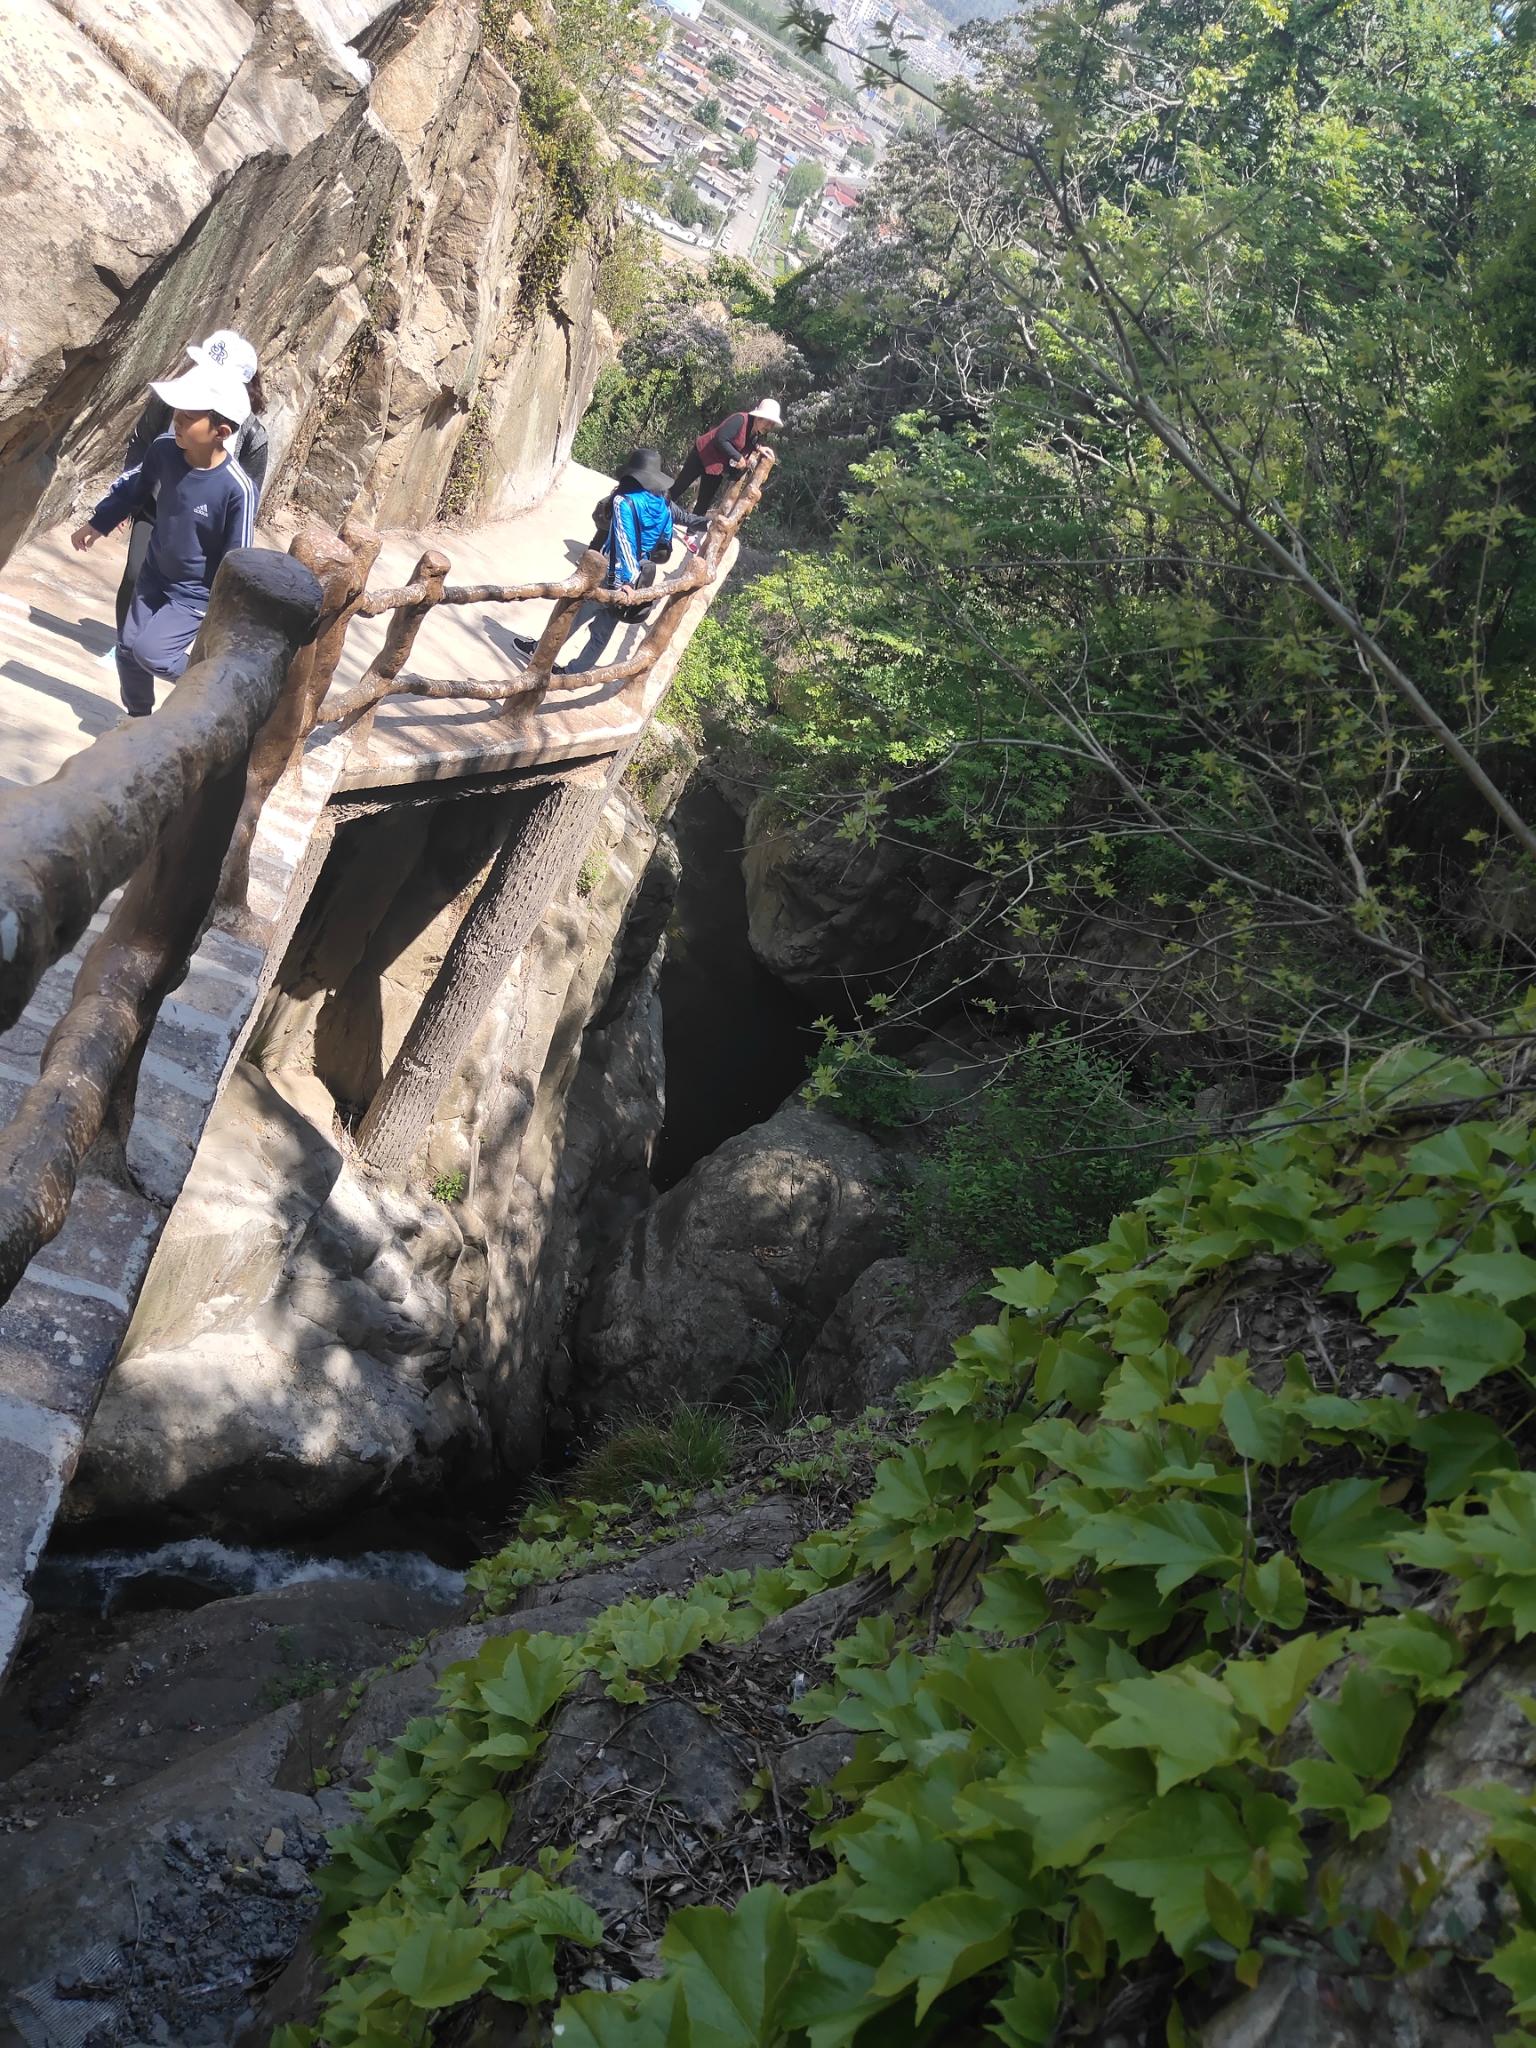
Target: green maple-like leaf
{"type": "Point", "coordinates": [1076, 1797]}
{"type": "Point", "coordinates": [945, 1941]}
{"type": "Point", "coordinates": [439, 1966]}
{"type": "Point", "coordinates": [1183, 1719]}
{"type": "Point", "coordinates": [1503, 1276]}
{"type": "Point", "coordinates": [736, 1968]}
{"type": "Point", "coordinates": [652, 2016]}
{"type": "Point", "coordinates": [1455, 1335]}
{"type": "Point", "coordinates": [1342, 1528]}
{"type": "Point", "coordinates": [1272, 1688]}
{"type": "Point", "coordinates": [1363, 1729]}
{"type": "Point", "coordinates": [534, 1676]}
{"type": "Point", "coordinates": [1164, 1856]}
{"type": "Point", "coordinates": [1179, 1539]}
{"type": "Point", "coordinates": [1324, 1787]}
{"type": "Point", "coordinates": [1458, 1447]}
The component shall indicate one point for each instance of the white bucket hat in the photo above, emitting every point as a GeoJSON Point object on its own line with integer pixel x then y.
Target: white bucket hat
{"type": "Point", "coordinates": [767, 409]}
{"type": "Point", "coordinates": [230, 351]}
{"type": "Point", "coordinates": [206, 387]}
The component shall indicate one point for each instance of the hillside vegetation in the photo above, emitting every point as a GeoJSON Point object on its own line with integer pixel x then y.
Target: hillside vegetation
{"type": "Point", "coordinates": [1194, 1553]}
{"type": "Point", "coordinates": [1155, 602]}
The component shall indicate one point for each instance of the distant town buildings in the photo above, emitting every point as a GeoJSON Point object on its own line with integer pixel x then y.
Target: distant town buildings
{"type": "Point", "coordinates": [878, 25]}
{"type": "Point", "coordinates": [719, 180]}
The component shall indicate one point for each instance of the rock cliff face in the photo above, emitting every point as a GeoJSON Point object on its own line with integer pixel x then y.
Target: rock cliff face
{"type": "Point", "coordinates": [310, 1338]}
{"type": "Point", "coordinates": [346, 182]}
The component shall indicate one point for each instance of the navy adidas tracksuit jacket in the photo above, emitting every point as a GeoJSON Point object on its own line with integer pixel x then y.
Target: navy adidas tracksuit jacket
{"type": "Point", "coordinates": [199, 515]}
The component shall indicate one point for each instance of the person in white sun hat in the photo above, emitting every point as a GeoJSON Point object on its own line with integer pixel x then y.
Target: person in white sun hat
{"type": "Point", "coordinates": [249, 447]}
{"type": "Point", "coordinates": [202, 503]}
{"type": "Point", "coordinates": [724, 448]}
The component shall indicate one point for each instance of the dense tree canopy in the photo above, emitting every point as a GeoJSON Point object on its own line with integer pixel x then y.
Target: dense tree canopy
{"type": "Point", "coordinates": [1187, 568]}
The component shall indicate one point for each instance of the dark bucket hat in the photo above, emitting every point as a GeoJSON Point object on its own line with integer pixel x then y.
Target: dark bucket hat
{"type": "Point", "coordinates": [643, 467]}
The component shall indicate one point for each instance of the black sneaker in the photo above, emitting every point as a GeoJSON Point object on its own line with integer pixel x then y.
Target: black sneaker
{"type": "Point", "coordinates": [523, 643]}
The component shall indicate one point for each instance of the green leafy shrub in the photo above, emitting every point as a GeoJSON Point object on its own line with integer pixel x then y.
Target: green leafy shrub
{"type": "Point", "coordinates": [448, 1187]}
{"type": "Point", "coordinates": [1157, 1634]}
{"type": "Point", "coordinates": [723, 676]}
{"type": "Point", "coordinates": [866, 1086]}
{"type": "Point", "coordinates": [591, 872]}
{"type": "Point", "coordinates": [1051, 1153]}
{"type": "Point", "coordinates": [690, 1448]}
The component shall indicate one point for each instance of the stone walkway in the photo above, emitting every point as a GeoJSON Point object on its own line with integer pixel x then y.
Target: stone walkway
{"type": "Point", "coordinates": [57, 623]}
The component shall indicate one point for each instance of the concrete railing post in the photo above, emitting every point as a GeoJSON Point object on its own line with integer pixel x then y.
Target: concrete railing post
{"type": "Point", "coordinates": [431, 572]}
{"type": "Point", "coordinates": [341, 581]}
{"type": "Point", "coordinates": [541, 855]}
{"type": "Point", "coordinates": [590, 571]}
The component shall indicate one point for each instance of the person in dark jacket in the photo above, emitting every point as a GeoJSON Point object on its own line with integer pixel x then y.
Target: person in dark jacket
{"type": "Point", "coordinates": [726, 448]}
{"type": "Point", "coordinates": [641, 525]}
{"type": "Point", "coordinates": [226, 350]}
{"type": "Point", "coordinates": [203, 505]}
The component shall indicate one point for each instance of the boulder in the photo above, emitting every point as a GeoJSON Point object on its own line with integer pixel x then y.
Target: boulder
{"type": "Point", "coordinates": [822, 907]}
{"type": "Point", "coordinates": [896, 1323]}
{"type": "Point", "coordinates": [293, 1351]}
{"type": "Point", "coordinates": [728, 1276]}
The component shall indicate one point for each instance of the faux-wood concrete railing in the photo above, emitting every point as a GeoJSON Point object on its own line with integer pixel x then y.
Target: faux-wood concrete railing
{"type": "Point", "coordinates": [532, 867]}
{"type": "Point", "coordinates": [388, 677]}
{"type": "Point", "coordinates": [154, 806]}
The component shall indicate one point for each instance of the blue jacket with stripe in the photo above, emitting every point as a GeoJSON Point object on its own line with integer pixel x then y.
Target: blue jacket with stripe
{"type": "Point", "coordinates": [199, 514]}
{"type": "Point", "coordinates": [641, 522]}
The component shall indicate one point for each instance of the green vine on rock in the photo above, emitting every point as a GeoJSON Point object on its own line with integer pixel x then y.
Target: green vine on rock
{"type": "Point", "coordinates": [1203, 1537]}
{"type": "Point", "coordinates": [562, 76]}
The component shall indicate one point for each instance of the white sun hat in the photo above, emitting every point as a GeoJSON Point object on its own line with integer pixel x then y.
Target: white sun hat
{"type": "Point", "coordinates": [767, 409]}
{"type": "Point", "coordinates": [230, 351]}
{"type": "Point", "coordinates": [206, 387]}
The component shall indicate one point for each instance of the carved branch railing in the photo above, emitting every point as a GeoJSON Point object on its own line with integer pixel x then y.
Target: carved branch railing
{"type": "Point", "coordinates": [410, 604]}
{"type": "Point", "coordinates": [155, 806]}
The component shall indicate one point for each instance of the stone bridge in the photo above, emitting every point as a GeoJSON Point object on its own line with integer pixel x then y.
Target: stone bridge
{"type": "Point", "coordinates": [66, 1315]}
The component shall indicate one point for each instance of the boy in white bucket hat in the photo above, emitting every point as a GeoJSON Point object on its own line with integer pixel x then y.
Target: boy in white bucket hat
{"type": "Point", "coordinates": [249, 446]}
{"type": "Point", "coordinates": [203, 505]}
{"type": "Point", "coordinates": [726, 447]}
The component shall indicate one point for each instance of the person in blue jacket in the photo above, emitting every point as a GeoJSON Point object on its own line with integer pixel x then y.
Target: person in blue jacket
{"type": "Point", "coordinates": [641, 525]}
{"type": "Point", "coordinates": [248, 446]}
{"type": "Point", "coordinates": [203, 505]}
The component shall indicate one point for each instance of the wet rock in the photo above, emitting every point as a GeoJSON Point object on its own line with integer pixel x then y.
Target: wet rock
{"type": "Point", "coordinates": [896, 1323]}
{"type": "Point", "coordinates": [182, 1684]}
{"type": "Point", "coordinates": [730, 1274]}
